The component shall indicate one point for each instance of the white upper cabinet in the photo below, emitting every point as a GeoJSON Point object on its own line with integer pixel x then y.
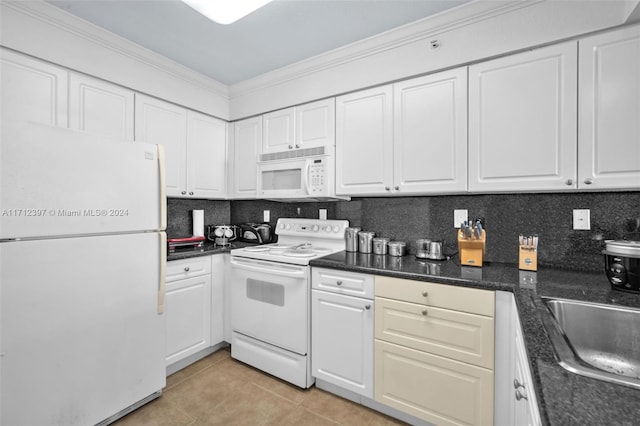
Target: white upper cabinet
{"type": "Point", "coordinates": [32, 90]}
{"type": "Point", "coordinates": [97, 106]}
{"type": "Point", "coordinates": [305, 126]}
{"type": "Point", "coordinates": [364, 142]}
{"type": "Point", "coordinates": [162, 123]}
{"type": "Point", "coordinates": [430, 134]}
{"type": "Point", "coordinates": [245, 147]}
{"type": "Point", "coordinates": [206, 156]}
{"type": "Point", "coordinates": [523, 121]}
{"type": "Point", "coordinates": [609, 110]}
{"type": "Point", "coordinates": [406, 138]}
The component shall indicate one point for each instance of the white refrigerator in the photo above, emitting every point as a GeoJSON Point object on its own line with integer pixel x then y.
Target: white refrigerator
{"type": "Point", "coordinates": [82, 258]}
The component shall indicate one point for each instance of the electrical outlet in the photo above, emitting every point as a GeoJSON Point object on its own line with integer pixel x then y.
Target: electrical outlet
{"type": "Point", "coordinates": [582, 219]}
{"type": "Point", "coordinates": [266, 216]}
{"type": "Point", "coordinates": [322, 214]}
{"type": "Point", "coordinates": [459, 216]}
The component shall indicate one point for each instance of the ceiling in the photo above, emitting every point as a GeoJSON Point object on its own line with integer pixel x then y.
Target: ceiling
{"type": "Point", "coordinates": [281, 33]}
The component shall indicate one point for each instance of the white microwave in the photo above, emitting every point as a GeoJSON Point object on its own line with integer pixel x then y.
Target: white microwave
{"type": "Point", "coordinates": [301, 175]}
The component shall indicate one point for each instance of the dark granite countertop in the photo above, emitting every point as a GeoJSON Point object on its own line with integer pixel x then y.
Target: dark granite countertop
{"type": "Point", "coordinates": [564, 398]}
{"type": "Point", "coordinates": [207, 249]}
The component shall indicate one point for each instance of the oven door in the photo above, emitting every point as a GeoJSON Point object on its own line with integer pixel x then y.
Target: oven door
{"type": "Point", "coordinates": [270, 302]}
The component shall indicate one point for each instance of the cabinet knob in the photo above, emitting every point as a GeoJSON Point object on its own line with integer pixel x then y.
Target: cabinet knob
{"type": "Point", "coordinates": [297, 146]}
{"type": "Point", "coordinates": [290, 146]}
{"type": "Point", "coordinates": [520, 395]}
{"type": "Point", "coordinates": [367, 307]}
{"type": "Point", "coordinates": [191, 193]}
{"type": "Point", "coordinates": [424, 312]}
{"type": "Point", "coordinates": [186, 269]}
{"type": "Point", "coordinates": [588, 181]}
{"type": "Point", "coordinates": [425, 294]}
{"type": "Point", "coordinates": [517, 384]}
{"type": "Point", "coordinates": [397, 188]}
{"type": "Point", "coordinates": [569, 182]}
{"type": "Point", "coordinates": [339, 282]}
{"type": "Point", "coordinates": [183, 192]}
{"type": "Point", "coordinates": [386, 188]}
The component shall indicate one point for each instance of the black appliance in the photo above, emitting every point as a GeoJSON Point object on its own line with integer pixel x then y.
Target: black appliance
{"type": "Point", "coordinates": [622, 264]}
{"type": "Point", "coordinates": [259, 233]}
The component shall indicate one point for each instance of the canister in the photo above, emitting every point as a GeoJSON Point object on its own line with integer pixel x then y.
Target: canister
{"type": "Point", "coordinates": [365, 241]}
{"type": "Point", "coordinates": [380, 245]}
{"type": "Point", "coordinates": [397, 248]}
{"type": "Point", "coordinates": [351, 239]}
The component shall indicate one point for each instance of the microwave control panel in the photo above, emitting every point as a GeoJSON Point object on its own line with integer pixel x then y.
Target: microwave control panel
{"type": "Point", "coordinates": [316, 176]}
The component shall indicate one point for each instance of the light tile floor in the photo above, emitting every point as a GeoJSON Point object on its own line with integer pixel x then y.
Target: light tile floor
{"type": "Point", "coordinates": [219, 390]}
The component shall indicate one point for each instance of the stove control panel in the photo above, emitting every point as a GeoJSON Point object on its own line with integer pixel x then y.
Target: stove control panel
{"type": "Point", "coordinates": [333, 229]}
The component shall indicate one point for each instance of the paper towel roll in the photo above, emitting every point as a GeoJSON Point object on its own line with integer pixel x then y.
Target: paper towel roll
{"type": "Point", "coordinates": [198, 223]}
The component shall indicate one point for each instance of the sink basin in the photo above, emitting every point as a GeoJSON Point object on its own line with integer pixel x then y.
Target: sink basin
{"type": "Point", "coordinates": [598, 341]}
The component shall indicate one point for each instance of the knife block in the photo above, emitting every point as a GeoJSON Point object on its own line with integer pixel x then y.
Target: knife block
{"type": "Point", "coordinates": [471, 250]}
{"type": "Point", "coordinates": [528, 259]}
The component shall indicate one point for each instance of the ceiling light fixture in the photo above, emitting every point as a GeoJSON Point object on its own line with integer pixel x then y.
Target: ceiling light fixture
{"type": "Point", "coordinates": [225, 11]}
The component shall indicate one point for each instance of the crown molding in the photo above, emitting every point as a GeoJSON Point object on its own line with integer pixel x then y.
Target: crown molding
{"type": "Point", "coordinates": [49, 17]}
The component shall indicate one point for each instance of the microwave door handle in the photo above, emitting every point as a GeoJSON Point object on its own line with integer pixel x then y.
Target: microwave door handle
{"type": "Point", "coordinates": [307, 185]}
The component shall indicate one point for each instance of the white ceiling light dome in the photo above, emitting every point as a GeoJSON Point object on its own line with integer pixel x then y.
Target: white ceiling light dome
{"type": "Point", "coordinates": [225, 11]}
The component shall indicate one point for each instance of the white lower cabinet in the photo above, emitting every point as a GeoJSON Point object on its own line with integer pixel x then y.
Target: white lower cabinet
{"type": "Point", "coordinates": [434, 351]}
{"type": "Point", "coordinates": [342, 329]}
{"type": "Point", "coordinates": [188, 308]}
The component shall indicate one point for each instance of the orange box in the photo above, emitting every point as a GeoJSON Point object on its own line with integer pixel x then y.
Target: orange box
{"type": "Point", "coordinates": [472, 250]}
{"type": "Point", "coordinates": [528, 259]}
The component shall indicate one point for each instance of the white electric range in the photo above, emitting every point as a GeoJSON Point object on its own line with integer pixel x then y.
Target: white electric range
{"type": "Point", "coordinates": [270, 297]}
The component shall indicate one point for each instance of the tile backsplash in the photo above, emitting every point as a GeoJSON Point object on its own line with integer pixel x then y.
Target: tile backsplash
{"type": "Point", "coordinates": [614, 215]}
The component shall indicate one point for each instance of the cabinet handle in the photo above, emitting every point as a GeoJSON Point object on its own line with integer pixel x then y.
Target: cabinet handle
{"type": "Point", "coordinates": [520, 395]}
{"type": "Point", "coordinates": [290, 146]}
{"type": "Point", "coordinates": [424, 312]}
{"type": "Point", "coordinates": [297, 146]}
{"type": "Point", "coordinates": [183, 192]}
{"type": "Point", "coordinates": [339, 282]}
{"type": "Point", "coordinates": [367, 307]}
{"type": "Point", "coordinates": [517, 384]}
{"type": "Point", "coordinates": [588, 181]}
{"type": "Point", "coordinates": [186, 269]}
{"type": "Point", "coordinates": [386, 188]}
{"type": "Point", "coordinates": [424, 293]}
{"type": "Point", "coordinates": [397, 188]}
{"type": "Point", "coordinates": [569, 182]}
{"type": "Point", "coordinates": [191, 193]}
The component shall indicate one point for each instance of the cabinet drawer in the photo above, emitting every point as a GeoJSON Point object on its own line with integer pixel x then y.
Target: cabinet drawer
{"type": "Point", "coordinates": [185, 268]}
{"type": "Point", "coordinates": [349, 283]}
{"type": "Point", "coordinates": [457, 335]}
{"type": "Point", "coordinates": [472, 300]}
{"type": "Point", "coordinates": [432, 388]}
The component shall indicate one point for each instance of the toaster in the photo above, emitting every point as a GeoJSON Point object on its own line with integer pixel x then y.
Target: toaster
{"type": "Point", "coordinates": [259, 233]}
{"type": "Point", "coordinates": [622, 264]}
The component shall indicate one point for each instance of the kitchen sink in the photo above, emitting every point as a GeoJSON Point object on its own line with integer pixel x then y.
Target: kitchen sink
{"type": "Point", "coordinates": [594, 340]}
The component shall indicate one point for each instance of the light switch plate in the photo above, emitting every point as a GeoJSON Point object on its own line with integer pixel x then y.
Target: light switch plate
{"type": "Point", "coordinates": [582, 219]}
{"type": "Point", "coordinates": [459, 216]}
{"type": "Point", "coordinates": [322, 214]}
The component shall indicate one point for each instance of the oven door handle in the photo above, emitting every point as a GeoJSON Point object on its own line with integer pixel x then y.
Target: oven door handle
{"type": "Point", "coordinates": [268, 268]}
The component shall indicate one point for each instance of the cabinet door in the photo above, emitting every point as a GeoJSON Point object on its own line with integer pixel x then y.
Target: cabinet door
{"type": "Point", "coordinates": [188, 316]}
{"type": "Point", "coordinates": [246, 147]}
{"type": "Point", "coordinates": [315, 124]}
{"type": "Point", "coordinates": [32, 90]}
{"type": "Point", "coordinates": [160, 122]}
{"type": "Point", "coordinates": [364, 142]}
{"type": "Point", "coordinates": [432, 388]}
{"type": "Point", "coordinates": [523, 121]}
{"type": "Point", "coordinates": [279, 130]}
{"type": "Point", "coordinates": [96, 106]}
{"type": "Point", "coordinates": [342, 341]}
{"type": "Point", "coordinates": [206, 156]}
{"type": "Point", "coordinates": [430, 134]}
{"type": "Point", "coordinates": [609, 108]}
{"type": "Point", "coordinates": [217, 298]}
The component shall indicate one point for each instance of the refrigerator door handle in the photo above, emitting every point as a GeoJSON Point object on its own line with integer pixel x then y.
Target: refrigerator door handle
{"type": "Point", "coordinates": [163, 188]}
{"type": "Point", "coordinates": [163, 272]}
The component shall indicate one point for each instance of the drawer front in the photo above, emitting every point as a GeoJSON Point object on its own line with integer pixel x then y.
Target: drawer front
{"type": "Point", "coordinates": [343, 282]}
{"type": "Point", "coordinates": [185, 268]}
{"type": "Point", "coordinates": [464, 299]}
{"type": "Point", "coordinates": [432, 388]}
{"type": "Point", "coordinates": [457, 335]}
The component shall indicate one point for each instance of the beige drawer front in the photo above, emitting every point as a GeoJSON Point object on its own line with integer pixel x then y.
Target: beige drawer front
{"type": "Point", "coordinates": [185, 268]}
{"type": "Point", "coordinates": [472, 300]}
{"type": "Point", "coordinates": [457, 335]}
{"type": "Point", "coordinates": [343, 282]}
{"type": "Point", "coordinates": [432, 388]}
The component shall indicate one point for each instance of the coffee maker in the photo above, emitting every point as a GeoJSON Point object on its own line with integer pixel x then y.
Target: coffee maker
{"type": "Point", "coordinates": [222, 235]}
